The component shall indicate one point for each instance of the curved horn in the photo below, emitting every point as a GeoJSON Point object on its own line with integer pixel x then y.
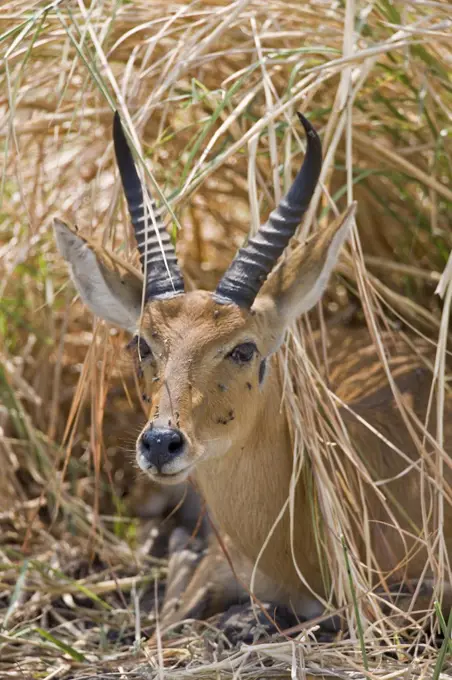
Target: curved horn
{"type": "Point", "coordinates": [252, 264]}
{"type": "Point", "coordinates": [162, 274]}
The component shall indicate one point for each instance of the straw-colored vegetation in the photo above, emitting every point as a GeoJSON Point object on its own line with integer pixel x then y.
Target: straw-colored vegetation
{"type": "Point", "coordinates": [209, 90]}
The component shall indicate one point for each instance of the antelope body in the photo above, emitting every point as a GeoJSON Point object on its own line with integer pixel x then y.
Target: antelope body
{"type": "Point", "coordinates": [209, 363]}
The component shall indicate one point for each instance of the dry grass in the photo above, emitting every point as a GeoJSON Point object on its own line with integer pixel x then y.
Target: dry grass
{"type": "Point", "coordinates": [210, 90]}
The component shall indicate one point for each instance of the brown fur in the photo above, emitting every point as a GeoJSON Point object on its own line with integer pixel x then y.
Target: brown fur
{"type": "Point", "coordinates": [238, 440]}
{"type": "Point", "coordinates": [244, 467]}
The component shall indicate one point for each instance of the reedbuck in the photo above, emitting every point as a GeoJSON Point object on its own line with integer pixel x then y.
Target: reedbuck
{"type": "Point", "coordinates": [215, 413]}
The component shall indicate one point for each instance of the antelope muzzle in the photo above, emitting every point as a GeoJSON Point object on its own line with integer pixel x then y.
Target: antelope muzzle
{"type": "Point", "coordinates": [161, 452]}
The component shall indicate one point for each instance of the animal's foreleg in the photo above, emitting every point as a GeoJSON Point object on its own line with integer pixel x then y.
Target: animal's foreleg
{"type": "Point", "coordinates": [199, 585]}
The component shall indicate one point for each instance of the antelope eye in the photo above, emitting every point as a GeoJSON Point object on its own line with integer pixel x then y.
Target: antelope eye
{"type": "Point", "coordinates": [143, 349]}
{"type": "Point", "coordinates": [243, 353]}
{"type": "Point", "coordinates": [140, 348]}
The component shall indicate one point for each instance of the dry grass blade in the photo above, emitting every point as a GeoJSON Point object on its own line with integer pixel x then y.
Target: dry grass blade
{"type": "Point", "coordinates": [209, 92]}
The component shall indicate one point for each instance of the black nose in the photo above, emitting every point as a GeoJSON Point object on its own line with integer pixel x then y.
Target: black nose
{"type": "Point", "coordinates": [160, 445]}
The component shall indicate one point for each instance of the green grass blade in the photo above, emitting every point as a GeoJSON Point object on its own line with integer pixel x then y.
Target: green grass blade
{"type": "Point", "coordinates": [77, 656]}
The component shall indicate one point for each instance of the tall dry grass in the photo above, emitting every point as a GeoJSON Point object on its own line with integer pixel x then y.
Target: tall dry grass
{"type": "Point", "coordinates": [209, 91]}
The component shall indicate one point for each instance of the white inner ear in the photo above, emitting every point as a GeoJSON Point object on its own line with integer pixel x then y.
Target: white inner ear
{"type": "Point", "coordinates": [299, 304]}
{"type": "Point", "coordinates": [283, 301]}
{"type": "Point", "coordinates": [103, 291]}
{"type": "Point", "coordinates": [315, 293]}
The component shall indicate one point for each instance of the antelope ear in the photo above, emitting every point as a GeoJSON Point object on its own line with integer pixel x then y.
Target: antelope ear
{"type": "Point", "coordinates": [299, 280]}
{"type": "Point", "coordinates": [110, 294]}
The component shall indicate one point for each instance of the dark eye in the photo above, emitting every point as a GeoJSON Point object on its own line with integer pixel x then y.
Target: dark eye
{"type": "Point", "coordinates": [140, 348]}
{"type": "Point", "coordinates": [243, 353]}
{"type": "Point", "coordinates": [143, 349]}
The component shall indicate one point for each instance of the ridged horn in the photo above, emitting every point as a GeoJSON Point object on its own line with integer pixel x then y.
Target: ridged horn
{"type": "Point", "coordinates": [253, 263]}
{"type": "Point", "coordinates": [162, 279]}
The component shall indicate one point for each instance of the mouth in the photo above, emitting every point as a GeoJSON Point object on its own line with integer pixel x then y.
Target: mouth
{"type": "Point", "coordinates": [170, 477]}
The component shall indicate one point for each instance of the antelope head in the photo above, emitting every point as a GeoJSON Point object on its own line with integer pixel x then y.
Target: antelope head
{"type": "Point", "coordinates": [204, 354]}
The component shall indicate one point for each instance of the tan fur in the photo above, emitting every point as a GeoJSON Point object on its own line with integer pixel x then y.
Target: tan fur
{"type": "Point", "coordinates": [239, 446]}
{"type": "Point", "coordinates": [246, 485]}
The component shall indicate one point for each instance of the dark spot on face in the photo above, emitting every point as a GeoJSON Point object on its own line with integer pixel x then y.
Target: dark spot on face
{"type": "Point", "coordinates": [249, 385]}
{"type": "Point", "coordinates": [222, 387]}
{"type": "Point", "coordinates": [226, 419]}
{"type": "Point", "coordinates": [262, 370]}
{"type": "Point", "coordinates": [146, 398]}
